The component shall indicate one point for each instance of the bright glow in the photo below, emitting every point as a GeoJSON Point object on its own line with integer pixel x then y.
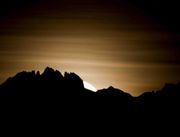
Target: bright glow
{"type": "Point", "coordinates": [89, 86]}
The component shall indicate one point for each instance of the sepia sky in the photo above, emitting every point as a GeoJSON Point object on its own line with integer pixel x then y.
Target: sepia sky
{"type": "Point", "coordinates": [133, 46]}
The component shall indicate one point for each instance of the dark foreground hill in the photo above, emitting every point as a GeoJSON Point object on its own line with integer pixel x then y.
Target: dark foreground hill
{"type": "Point", "coordinates": [52, 96]}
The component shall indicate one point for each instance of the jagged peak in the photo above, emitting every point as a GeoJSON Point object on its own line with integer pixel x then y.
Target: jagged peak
{"type": "Point", "coordinates": [58, 73]}
{"type": "Point", "coordinates": [38, 73]}
{"type": "Point", "coordinates": [71, 74]}
{"type": "Point", "coordinates": [48, 70]}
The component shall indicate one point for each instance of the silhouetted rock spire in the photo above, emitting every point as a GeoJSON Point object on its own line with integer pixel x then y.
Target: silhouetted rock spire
{"type": "Point", "coordinates": [50, 74]}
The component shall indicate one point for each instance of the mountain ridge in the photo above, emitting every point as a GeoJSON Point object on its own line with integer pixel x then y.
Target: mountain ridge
{"type": "Point", "coordinates": [53, 84]}
{"type": "Point", "coordinates": [56, 98]}
{"type": "Point", "coordinates": [55, 75]}
{"type": "Point", "coordinates": [51, 74]}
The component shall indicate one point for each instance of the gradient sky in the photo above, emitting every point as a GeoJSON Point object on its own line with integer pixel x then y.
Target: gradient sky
{"type": "Point", "coordinates": [130, 45]}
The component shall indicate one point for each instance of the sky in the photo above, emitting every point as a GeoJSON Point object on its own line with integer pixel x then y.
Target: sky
{"type": "Point", "coordinates": [131, 45]}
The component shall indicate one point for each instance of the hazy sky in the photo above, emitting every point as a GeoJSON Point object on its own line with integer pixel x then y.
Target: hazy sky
{"type": "Point", "coordinates": [130, 45]}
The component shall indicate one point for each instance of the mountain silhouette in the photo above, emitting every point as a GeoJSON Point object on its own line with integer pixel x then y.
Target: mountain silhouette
{"type": "Point", "coordinates": [58, 97]}
{"type": "Point", "coordinates": [52, 84]}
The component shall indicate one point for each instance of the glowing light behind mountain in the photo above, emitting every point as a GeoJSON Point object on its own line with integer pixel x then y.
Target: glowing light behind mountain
{"type": "Point", "coordinates": [106, 43]}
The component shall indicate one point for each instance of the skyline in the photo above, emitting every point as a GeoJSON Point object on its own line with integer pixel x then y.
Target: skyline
{"type": "Point", "coordinates": [106, 43]}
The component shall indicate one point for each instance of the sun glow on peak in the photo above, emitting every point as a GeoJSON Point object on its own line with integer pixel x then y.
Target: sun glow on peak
{"type": "Point", "coordinates": [89, 86]}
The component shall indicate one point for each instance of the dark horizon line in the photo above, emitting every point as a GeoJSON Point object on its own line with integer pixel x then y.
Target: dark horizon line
{"type": "Point", "coordinates": [37, 72]}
